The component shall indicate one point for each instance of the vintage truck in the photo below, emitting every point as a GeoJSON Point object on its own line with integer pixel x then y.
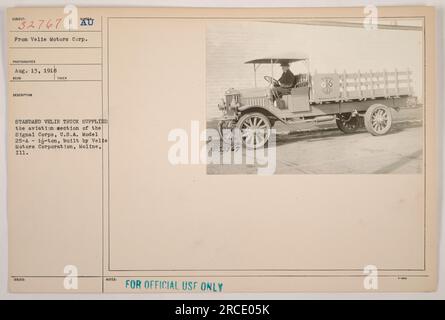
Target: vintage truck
{"type": "Point", "coordinates": [353, 100]}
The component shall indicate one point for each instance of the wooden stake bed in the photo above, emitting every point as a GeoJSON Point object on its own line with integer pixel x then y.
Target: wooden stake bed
{"type": "Point", "coordinates": [336, 87]}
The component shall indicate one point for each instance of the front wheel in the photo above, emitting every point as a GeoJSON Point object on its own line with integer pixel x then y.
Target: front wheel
{"type": "Point", "coordinates": [378, 119]}
{"type": "Point", "coordinates": [255, 129]}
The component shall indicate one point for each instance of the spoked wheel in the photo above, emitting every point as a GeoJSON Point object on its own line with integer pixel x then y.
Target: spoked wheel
{"type": "Point", "coordinates": [348, 123]}
{"type": "Point", "coordinates": [378, 119]}
{"type": "Point", "coordinates": [255, 129]}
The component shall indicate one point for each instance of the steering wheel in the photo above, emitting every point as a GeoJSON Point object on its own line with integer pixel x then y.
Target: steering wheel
{"type": "Point", "coordinates": [272, 80]}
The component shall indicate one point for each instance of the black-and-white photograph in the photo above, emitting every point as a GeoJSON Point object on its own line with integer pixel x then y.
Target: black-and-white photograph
{"type": "Point", "coordinates": [335, 96]}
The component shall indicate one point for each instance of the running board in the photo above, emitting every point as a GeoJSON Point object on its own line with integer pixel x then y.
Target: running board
{"type": "Point", "coordinates": [312, 120]}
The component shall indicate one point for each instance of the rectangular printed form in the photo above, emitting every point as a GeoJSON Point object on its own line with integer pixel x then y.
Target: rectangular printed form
{"type": "Point", "coordinates": [221, 150]}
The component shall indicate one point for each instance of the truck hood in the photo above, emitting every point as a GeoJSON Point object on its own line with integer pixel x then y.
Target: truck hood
{"type": "Point", "coordinates": [253, 92]}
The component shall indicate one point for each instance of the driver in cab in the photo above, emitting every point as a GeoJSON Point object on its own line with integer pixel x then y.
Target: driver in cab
{"type": "Point", "coordinates": [286, 81]}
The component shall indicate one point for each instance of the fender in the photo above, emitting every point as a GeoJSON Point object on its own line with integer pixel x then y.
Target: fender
{"type": "Point", "coordinates": [266, 111]}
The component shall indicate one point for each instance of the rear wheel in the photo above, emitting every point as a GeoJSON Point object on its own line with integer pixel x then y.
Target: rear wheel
{"type": "Point", "coordinates": [255, 129]}
{"type": "Point", "coordinates": [378, 119]}
{"type": "Point", "coordinates": [348, 123]}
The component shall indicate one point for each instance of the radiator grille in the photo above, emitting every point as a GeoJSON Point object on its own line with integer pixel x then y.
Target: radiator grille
{"type": "Point", "coordinates": [231, 97]}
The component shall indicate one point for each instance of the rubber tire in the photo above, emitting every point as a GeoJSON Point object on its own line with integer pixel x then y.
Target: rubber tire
{"type": "Point", "coordinates": [368, 123]}
{"type": "Point", "coordinates": [256, 114]}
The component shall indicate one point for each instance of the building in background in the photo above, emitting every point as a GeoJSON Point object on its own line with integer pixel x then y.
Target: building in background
{"type": "Point", "coordinates": [331, 46]}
